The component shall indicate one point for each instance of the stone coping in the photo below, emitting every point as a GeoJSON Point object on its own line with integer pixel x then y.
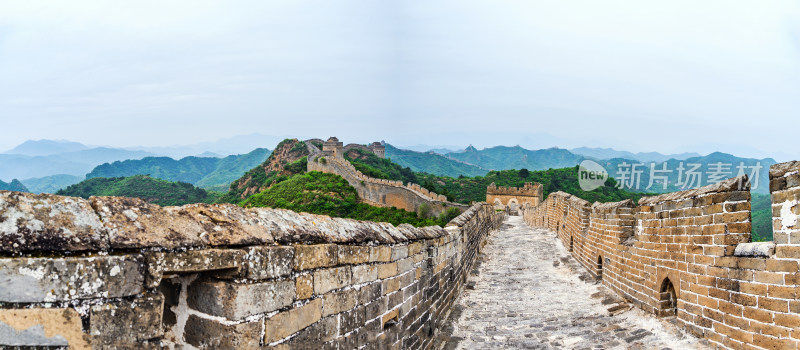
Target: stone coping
{"type": "Point", "coordinates": [45, 222]}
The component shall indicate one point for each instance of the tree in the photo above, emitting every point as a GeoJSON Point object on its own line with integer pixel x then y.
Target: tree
{"type": "Point", "coordinates": [523, 173]}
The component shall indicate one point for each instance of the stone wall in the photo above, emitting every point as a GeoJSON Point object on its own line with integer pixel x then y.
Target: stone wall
{"type": "Point", "coordinates": [113, 272]}
{"type": "Point", "coordinates": [689, 254]}
{"type": "Point", "coordinates": [380, 192]}
{"type": "Point", "coordinates": [514, 197]}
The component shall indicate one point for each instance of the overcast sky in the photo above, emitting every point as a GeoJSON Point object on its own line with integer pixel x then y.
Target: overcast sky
{"type": "Point", "coordinates": [635, 75]}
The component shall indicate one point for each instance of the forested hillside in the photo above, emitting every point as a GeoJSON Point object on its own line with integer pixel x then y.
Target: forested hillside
{"type": "Point", "coordinates": [330, 194]}
{"type": "Point", "coordinates": [153, 190]}
{"type": "Point", "coordinates": [207, 172]}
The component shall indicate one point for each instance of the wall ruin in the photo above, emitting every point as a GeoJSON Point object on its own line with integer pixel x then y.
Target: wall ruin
{"type": "Point", "coordinates": [689, 254]}
{"type": "Point", "coordinates": [113, 272]}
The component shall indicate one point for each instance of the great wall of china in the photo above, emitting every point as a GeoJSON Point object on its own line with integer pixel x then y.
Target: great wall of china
{"type": "Point", "coordinates": [514, 198]}
{"type": "Point", "coordinates": [378, 192]}
{"type": "Point", "coordinates": [689, 254]}
{"type": "Point", "coordinates": [111, 272]}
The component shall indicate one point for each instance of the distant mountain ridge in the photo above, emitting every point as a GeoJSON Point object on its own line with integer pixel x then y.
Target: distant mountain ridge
{"type": "Point", "coordinates": [14, 185]}
{"type": "Point", "coordinates": [516, 157]}
{"type": "Point", "coordinates": [433, 163]}
{"type": "Point", "coordinates": [610, 153]}
{"type": "Point", "coordinates": [46, 147]}
{"type": "Point", "coordinates": [209, 173]}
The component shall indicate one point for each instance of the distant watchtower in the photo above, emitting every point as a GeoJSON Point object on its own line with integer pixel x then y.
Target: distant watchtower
{"type": "Point", "coordinates": [333, 147]}
{"type": "Point", "coordinates": [378, 148]}
{"type": "Point", "coordinates": [514, 197]}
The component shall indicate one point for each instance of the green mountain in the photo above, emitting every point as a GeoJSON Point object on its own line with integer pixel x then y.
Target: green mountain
{"type": "Point", "coordinates": [330, 194]}
{"type": "Point", "coordinates": [373, 166]}
{"type": "Point", "coordinates": [433, 163]}
{"type": "Point", "coordinates": [50, 184]}
{"type": "Point", "coordinates": [289, 158]}
{"type": "Point", "coordinates": [469, 189]}
{"type": "Point", "coordinates": [211, 173]}
{"type": "Point", "coordinates": [504, 158]}
{"type": "Point", "coordinates": [14, 185]}
{"type": "Point", "coordinates": [153, 190]}
{"type": "Point", "coordinates": [761, 207]}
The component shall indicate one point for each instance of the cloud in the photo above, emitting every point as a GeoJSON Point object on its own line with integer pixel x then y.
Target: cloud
{"type": "Point", "coordinates": [640, 76]}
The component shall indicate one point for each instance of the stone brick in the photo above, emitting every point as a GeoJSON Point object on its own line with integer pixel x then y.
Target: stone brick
{"type": "Point", "coordinates": [211, 334]}
{"type": "Point", "coordinates": [292, 321]}
{"type": "Point", "coordinates": [369, 292]}
{"type": "Point", "coordinates": [330, 279]}
{"type": "Point", "coordinates": [126, 322]}
{"type": "Point", "coordinates": [364, 273]}
{"type": "Point", "coordinates": [399, 252]}
{"type": "Point", "coordinates": [351, 320]}
{"type": "Point", "coordinates": [314, 335]}
{"type": "Point", "coordinates": [160, 263]}
{"type": "Point", "coordinates": [30, 280]}
{"type": "Point", "coordinates": [349, 254]}
{"type": "Point", "coordinates": [334, 303]}
{"type": "Point", "coordinates": [304, 286]}
{"type": "Point", "coordinates": [315, 256]}
{"type": "Point", "coordinates": [42, 328]}
{"type": "Point", "coordinates": [380, 254]}
{"type": "Point", "coordinates": [387, 270]}
{"type": "Point", "coordinates": [773, 304]}
{"type": "Point", "coordinates": [235, 301]}
{"type": "Point", "coordinates": [265, 262]}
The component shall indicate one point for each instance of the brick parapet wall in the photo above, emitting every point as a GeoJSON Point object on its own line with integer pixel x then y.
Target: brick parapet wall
{"type": "Point", "coordinates": [380, 192]}
{"type": "Point", "coordinates": [737, 294]}
{"type": "Point", "coordinates": [119, 273]}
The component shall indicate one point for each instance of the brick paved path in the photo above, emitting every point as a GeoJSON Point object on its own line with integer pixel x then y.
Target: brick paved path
{"type": "Point", "coordinates": [526, 292]}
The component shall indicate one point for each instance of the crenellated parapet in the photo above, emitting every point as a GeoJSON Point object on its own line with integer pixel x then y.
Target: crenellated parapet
{"type": "Point", "coordinates": [380, 192]}
{"type": "Point", "coordinates": [528, 195]}
{"type": "Point", "coordinates": [689, 254]}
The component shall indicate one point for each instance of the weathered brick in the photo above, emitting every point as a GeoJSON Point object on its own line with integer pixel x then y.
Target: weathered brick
{"type": "Point", "coordinates": [304, 286]}
{"type": "Point", "coordinates": [380, 254]}
{"type": "Point", "coordinates": [121, 323]}
{"type": "Point", "coordinates": [387, 270]}
{"type": "Point", "coordinates": [314, 256]}
{"type": "Point", "coordinates": [364, 273]}
{"type": "Point", "coordinates": [47, 328]}
{"type": "Point", "coordinates": [332, 278]}
{"type": "Point", "coordinates": [334, 303]}
{"type": "Point", "coordinates": [292, 321]}
{"type": "Point", "coordinates": [236, 301]}
{"type": "Point", "coordinates": [211, 334]}
{"type": "Point", "coordinates": [30, 280]}
{"type": "Point", "coordinates": [349, 254]}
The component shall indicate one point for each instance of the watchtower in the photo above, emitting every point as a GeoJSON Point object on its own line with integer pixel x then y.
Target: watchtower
{"type": "Point", "coordinates": [333, 147]}
{"type": "Point", "coordinates": [378, 148]}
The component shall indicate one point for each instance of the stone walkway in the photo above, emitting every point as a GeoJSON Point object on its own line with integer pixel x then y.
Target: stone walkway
{"type": "Point", "coordinates": [527, 292]}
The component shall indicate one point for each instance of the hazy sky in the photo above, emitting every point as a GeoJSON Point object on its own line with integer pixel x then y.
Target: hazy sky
{"type": "Point", "coordinates": [636, 75]}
